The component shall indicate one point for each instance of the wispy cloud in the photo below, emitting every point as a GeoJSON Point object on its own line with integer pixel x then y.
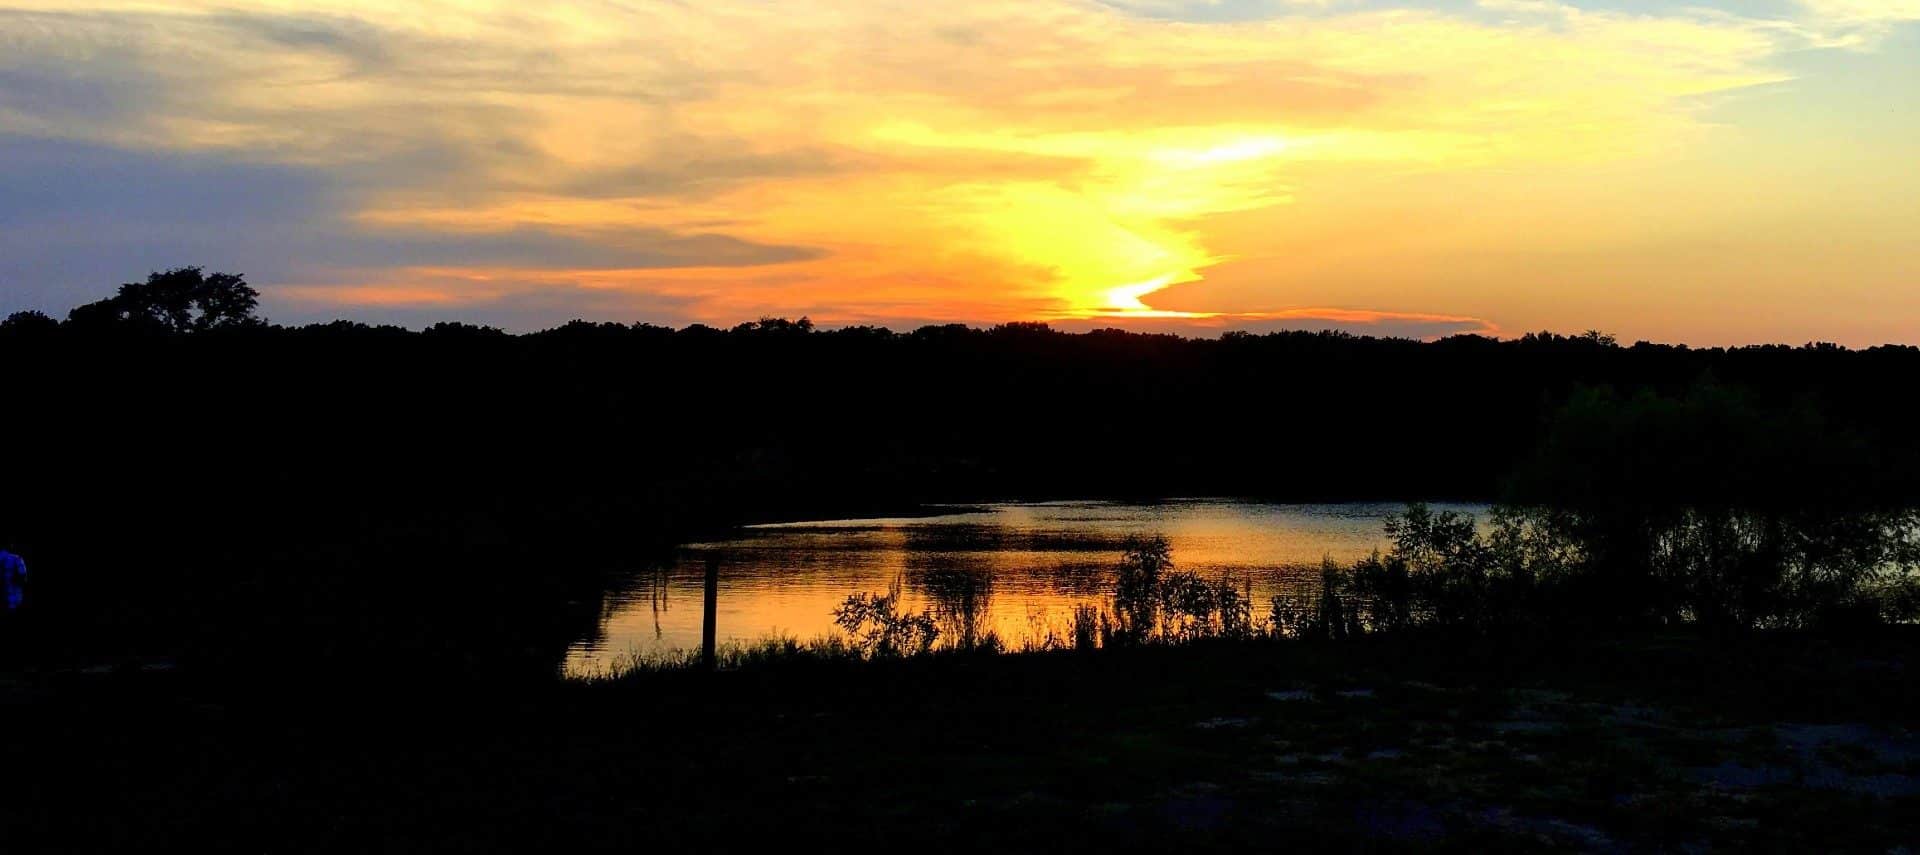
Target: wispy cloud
{"type": "Point", "coordinates": [974, 161]}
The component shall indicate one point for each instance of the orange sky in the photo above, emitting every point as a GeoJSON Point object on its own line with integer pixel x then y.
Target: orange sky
{"type": "Point", "coordinates": [1660, 170]}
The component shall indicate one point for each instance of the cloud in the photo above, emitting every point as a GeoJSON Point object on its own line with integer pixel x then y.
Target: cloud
{"type": "Point", "coordinates": [75, 219]}
{"type": "Point", "coordinates": [1857, 24]}
{"type": "Point", "coordinates": [1216, 11]}
{"type": "Point", "coordinates": [511, 300]}
{"type": "Point", "coordinates": [1003, 158]}
{"type": "Point", "coordinates": [1864, 11]}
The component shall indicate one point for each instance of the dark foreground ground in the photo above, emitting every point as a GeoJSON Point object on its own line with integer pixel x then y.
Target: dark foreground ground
{"type": "Point", "coordinates": [1787, 743]}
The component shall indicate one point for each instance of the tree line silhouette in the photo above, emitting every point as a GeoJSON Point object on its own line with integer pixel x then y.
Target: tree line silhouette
{"type": "Point", "coordinates": [190, 479]}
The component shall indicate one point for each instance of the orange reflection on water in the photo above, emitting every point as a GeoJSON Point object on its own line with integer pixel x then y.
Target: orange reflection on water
{"type": "Point", "coordinates": [1042, 559]}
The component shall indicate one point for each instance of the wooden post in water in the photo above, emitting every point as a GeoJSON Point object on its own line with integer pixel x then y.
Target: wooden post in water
{"type": "Point", "coordinates": [707, 658]}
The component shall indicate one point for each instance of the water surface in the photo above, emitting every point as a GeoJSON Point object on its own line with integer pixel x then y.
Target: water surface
{"type": "Point", "coordinates": [1042, 560]}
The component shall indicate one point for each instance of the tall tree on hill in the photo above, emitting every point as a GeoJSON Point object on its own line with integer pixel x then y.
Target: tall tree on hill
{"type": "Point", "coordinates": [181, 300]}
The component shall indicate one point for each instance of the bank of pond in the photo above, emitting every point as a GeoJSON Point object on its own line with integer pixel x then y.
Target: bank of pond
{"type": "Point", "coordinates": [1029, 577]}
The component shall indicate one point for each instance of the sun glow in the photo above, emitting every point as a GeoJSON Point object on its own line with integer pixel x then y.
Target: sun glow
{"type": "Point", "coordinates": [1126, 298]}
{"type": "Point", "coordinates": [1113, 208]}
{"type": "Point", "coordinates": [1234, 152]}
{"type": "Point", "coordinates": [892, 161]}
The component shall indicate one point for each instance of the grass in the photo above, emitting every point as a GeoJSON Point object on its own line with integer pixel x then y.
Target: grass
{"type": "Point", "coordinates": [1652, 741]}
{"type": "Point", "coordinates": [772, 651]}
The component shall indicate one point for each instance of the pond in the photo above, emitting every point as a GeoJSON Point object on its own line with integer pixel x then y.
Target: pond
{"type": "Point", "coordinates": [1040, 560]}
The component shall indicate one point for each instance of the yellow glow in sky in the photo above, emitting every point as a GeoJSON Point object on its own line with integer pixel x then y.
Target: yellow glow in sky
{"type": "Point", "coordinates": [1670, 170]}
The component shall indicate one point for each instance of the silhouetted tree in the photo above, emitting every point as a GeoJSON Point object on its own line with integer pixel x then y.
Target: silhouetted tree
{"type": "Point", "coordinates": [776, 326]}
{"type": "Point", "coordinates": [1032, 329]}
{"type": "Point", "coordinates": [28, 323]}
{"type": "Point", "coordinates": [181, 300]}
{"type": "Point", "coordinates": [457, 329]}
{"type": "Point", "coordinates": [1713, 506]}
{"type": "Point", "coordinates": [363, 462]}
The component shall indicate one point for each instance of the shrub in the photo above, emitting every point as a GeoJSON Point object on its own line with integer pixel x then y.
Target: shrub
{"type": "Point", "coordinates": [877, 628]}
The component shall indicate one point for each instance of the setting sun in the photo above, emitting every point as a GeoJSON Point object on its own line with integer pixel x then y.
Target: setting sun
{"type": "Point", "coordinates": [1199, 165]}
{"type": "Point", "coordinates": [993, 425]}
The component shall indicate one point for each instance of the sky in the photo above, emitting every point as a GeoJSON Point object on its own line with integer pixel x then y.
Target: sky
{"type": "Point", "coordinates": [1709, 172]}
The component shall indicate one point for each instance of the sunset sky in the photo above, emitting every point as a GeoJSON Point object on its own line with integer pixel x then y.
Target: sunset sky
{"type": "Point", "coordinates": [1712, 172]}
